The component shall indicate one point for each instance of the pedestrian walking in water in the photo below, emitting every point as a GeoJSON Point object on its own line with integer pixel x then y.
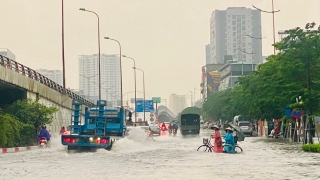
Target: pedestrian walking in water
{"type": "Point", "coordinates": [218, 148]}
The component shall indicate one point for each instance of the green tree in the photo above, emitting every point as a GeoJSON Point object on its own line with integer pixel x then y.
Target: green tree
{"type": "Point", "coordinates": [266, 93]}
{"type": "Point", "coordinates": [302, 47]}
{"type": "Point", "coordinates": [10, 127]}
{"type": "Point", "coordinates": [32, 112]}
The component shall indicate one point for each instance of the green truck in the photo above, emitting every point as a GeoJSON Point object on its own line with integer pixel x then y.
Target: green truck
{"type": "Point", "coordinates": [190, 124]}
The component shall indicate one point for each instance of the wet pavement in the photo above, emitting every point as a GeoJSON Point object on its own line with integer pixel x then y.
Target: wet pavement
{"type": "Point", "coordinates": [138, 157]}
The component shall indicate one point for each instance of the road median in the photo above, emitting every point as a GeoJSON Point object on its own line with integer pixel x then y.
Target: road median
{"type": "Point", "coordinates": [18, 149]}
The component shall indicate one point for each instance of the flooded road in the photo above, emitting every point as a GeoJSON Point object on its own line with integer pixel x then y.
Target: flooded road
{"type": "Point", "coordinates": [163, 158]}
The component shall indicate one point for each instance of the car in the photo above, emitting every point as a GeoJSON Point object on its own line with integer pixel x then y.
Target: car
{"type": "Point", "coordinates": [154, 129]}
{"type": "Point", "coordinates": [246, 127]}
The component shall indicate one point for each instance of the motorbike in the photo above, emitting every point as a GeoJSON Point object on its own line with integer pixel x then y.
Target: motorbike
{"type": "Point", "coordinates": [279, 135]}
{"type": "Point", "coordinates": [174, 131]}
{"type": "Point", "coordinates": [163, 129]}
{"type": "Point", "coordinates": [43, 143]}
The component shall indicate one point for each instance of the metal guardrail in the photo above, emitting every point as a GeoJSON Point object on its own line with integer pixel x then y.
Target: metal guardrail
{"type": "Point", "coordinates": [28, 72]}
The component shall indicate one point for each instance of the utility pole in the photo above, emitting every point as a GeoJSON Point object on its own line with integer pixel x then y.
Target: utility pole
{"type": "Point", "coordinates": [191, 98]}
{"type": "Point", "coordinates": [273, 11]}
{"type": "Point", "coordinates": [194, 95]}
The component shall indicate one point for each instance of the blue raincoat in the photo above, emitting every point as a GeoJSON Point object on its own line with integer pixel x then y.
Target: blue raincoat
{"type": "Point", "coordinates": [229, 140]}
{"type": "Point", "coordinates": [44, 133]}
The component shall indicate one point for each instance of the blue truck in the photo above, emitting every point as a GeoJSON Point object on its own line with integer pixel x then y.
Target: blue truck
{"type": "Point", "coordinates": [101, 127]}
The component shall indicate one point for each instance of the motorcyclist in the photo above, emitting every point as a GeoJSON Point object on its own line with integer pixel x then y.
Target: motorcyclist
{"type": "Point", "coordinates": [170, 128]}
{"type": "Point", "coordinates": [63, 130]}
{"type": "Point", "coordinates": [44, 133]}
{"type": "Point", "coordinates": [174, 126]}
{"type": "Point", "coordinates": [163, 126]}
{"type": "Point", "coordinates": [275, 131]}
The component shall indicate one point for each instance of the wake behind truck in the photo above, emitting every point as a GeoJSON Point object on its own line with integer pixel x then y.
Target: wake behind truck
{"type": "Point", "coordinates": [102, 126]}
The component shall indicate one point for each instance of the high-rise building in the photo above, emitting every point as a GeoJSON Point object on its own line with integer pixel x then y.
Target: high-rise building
{"type": "Point", "coordinates": [235, 34]}
{"type": "Point", "coordinates": [7, 53]}
{"type": "Point", "coordinates": [208, 59]}
{"type": "Point", "coordinates": [177, 103]}
{"type": "Point", "coordinates": [110, 78]}
{"type": "Point", "coordinates": [54, 75]}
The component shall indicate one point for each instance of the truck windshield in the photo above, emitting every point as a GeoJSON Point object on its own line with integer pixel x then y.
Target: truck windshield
{"type": "Point", "coordinates": [190, 121]}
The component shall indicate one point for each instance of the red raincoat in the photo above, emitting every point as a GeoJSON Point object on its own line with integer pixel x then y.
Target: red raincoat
{"type": "Point", "coordinates": [218, 148]}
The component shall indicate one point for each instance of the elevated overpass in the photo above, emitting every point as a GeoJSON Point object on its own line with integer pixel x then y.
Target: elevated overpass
{"type": "Point", "coordinates": [164, 114]}
{"type": "Point", "coordinates": [19, 82]}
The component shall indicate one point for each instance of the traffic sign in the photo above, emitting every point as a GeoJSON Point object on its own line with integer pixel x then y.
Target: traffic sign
{"type": "Point", "coordinates": [296, 113]}
{"type": "Point", "coordinates": [156, 99]}
{"type": "Point", "coordinates": [151, 115]}
{"type": "Point", "coordinates": [147, 107]}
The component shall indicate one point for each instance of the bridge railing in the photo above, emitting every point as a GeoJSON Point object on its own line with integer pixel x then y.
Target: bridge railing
{"type": "Point", "coordinates": [28, 72]}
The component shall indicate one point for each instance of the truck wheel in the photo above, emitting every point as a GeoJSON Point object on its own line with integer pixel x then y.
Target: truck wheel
{"type": "Point", "coordinates": [71, 148]}
{"type": "Point", "coordinates": [109, 147]}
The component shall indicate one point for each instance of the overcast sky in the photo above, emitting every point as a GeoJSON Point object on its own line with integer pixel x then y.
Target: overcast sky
{"type": "Point", "coordinates": [167, 38]}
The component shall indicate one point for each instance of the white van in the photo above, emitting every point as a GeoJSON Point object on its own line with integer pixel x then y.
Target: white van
{"type": "Point", "coordinates": [237, 119]}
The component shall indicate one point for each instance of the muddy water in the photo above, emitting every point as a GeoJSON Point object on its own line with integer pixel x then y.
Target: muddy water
{"type": "Point", "coordinates": [165, 158]}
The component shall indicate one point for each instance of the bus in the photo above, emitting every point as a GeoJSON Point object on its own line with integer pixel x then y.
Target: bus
{"type": "Point", "coordinates": [190, 124]}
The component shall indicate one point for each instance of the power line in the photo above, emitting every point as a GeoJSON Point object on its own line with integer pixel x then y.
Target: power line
{"type": "Point", "coordinates": [273, 11]}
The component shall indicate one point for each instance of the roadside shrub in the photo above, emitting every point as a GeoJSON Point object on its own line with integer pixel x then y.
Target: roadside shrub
{"type": "Point", "coordinates": [9, 133]}
{"type": "Point", "coordinates": [27, 135]}
{"type": "Point", "coordinates": [311, 148]}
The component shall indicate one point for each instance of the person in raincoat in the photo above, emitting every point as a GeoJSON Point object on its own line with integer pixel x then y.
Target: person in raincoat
{"type": "Point", "coordinates": [234, 134]}
{"type": "Point", "coordinates": [218, 148]}
{"type": "Point", "coordinates": [229, 139]}
{"type": "Point", "coordinates": [44, 133]}
{"type": "Point", "coordinates": [63, 130]}
{"type": "Point", "coordinates": [163, 127]}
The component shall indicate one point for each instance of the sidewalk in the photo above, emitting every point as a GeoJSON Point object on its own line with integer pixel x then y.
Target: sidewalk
{"type": "Point", "coordinates": [17, 149]}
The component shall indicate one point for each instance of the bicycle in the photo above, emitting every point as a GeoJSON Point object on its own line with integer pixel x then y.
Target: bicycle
{"type": "Point", "coordinates": [208, 147]}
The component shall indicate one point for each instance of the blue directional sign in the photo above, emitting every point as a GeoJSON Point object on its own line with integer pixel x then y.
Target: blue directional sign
{"type": "Point", "coordinates": [147, 107]}
{"type": "Point", "coordinates": [139, 106]}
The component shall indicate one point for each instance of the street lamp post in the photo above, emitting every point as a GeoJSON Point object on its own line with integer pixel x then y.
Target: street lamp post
{"type": "Point", "coordinates": [120, 69]}
{"type": "Point", "coordinates": [63, 66]}
{"type": "Point", "coordinates": [144, 95]}
{"type": "Point", "coordinates": [83, 9]}
{"type": "Point", "coordinates": [194, 94]}
{"type": "Point", "coordinates": [135, 87]}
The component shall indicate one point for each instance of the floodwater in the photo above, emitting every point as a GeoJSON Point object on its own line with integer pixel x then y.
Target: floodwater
{"type": "Point", "coordinates": [163, 158]}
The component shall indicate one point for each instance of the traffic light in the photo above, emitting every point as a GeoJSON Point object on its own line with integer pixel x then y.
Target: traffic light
{"type": "Point", "coordinates": [130, 116]}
